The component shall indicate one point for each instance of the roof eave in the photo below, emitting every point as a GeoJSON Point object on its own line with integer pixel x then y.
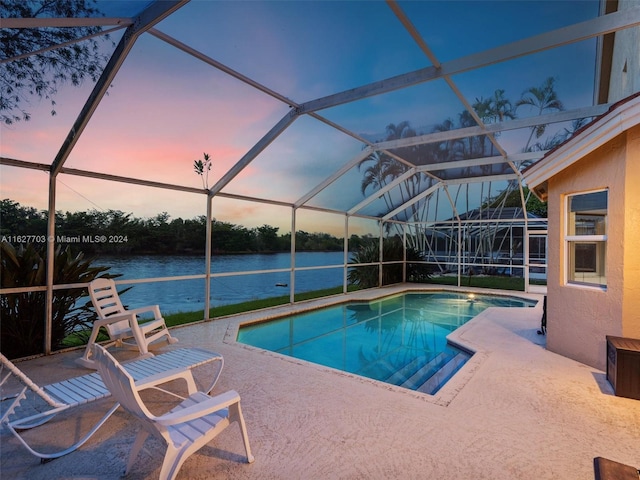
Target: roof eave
{"type": "Point", "coordinates": [622, 116]}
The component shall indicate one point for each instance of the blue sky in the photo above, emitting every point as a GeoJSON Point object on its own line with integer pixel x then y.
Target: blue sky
{"type": "Point", "coordinates": [166, 108]}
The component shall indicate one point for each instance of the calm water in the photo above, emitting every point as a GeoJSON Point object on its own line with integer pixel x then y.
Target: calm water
{"type": "Point", "coordinates": [188, 295]}
{"type": "Point", "coordinates": [399, 340]}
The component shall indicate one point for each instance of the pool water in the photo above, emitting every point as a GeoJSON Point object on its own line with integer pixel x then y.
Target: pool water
{"type": "Point", "coordinates": [399, 340]}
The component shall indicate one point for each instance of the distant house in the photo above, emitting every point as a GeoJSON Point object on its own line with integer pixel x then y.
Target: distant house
{"type": "Point", "coordinates": [592, 186]}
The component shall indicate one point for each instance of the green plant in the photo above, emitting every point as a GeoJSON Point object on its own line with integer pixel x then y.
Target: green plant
{"type": "Point", "coordinates": [202, 168]}
{"type": "Point", "coordinates": [23, 315]}
{"type": "Point", "coordinates": [392, 251]}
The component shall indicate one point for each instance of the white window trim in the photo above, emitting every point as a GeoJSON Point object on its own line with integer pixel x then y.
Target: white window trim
{"type": "Point", "coordinates": [567, 239]}
{"type": "Point", "coordinates": [585, 238]}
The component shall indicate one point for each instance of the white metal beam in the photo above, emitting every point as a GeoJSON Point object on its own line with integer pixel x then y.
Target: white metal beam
{"type": "Point", "coordinates": [556, 117]}
{"type": "Point", "coordinates": [263, 143]}
{"type": "Point", "coordinates": [60, 45]}
{"type": "Point", "coordinates": [328, 181]}
{"type": "Point", "coordinates": [153, 14]}
{"type": "Point", "coordinates": [545, 41]}
{"type": "Point", "coordinates": [458, 181]}
{"type": "Point", "coordinates": [476, 162]}
{"type": "Point", "coordinates": [220, 66]}
{"type": "Point", "coordinates": [484, 178]}
{"type": "Point", "coordinates": [379, 193]}
{"type": "Point", "coordinates": [411, 201]}
{"type": "Point", "coordinates": [65, 22]}
{"type": "Point", "coordinates": [12, 162]}
{"type": "Point", "coordinates": [408, 25]}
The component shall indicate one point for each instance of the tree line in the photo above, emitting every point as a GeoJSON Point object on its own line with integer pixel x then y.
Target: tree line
{"type": "Point", "coordinates": [116, 232]}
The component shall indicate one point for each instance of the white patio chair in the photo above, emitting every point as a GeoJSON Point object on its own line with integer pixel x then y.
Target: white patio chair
{"type": "Point", "coordinates": [25, 405]}
{"type": "Point", "coordinates": [184, 429]}
{"type": "Point", "coordinates": [122, 324]}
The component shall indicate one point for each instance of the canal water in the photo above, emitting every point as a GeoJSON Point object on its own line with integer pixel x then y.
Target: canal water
{"type": "Point", "coordinates": [188, 295]}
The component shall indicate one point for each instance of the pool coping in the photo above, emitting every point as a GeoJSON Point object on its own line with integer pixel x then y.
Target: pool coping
{"type": "Point", "coordinates": [447, 393]}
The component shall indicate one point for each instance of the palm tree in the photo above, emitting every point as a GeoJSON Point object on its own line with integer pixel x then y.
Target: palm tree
{"type": "Point", "coordinates": [501, 107]}
{"type": "Point", "coordinates": [541, 99]}
{"type": "Point", "coordinates": [401, 130]}
{"type": "Point", "coordinates": [377, 174]}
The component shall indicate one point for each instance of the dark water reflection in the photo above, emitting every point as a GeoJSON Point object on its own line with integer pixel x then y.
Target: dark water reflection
{"type": "Point", "coordinates": [188, 295]}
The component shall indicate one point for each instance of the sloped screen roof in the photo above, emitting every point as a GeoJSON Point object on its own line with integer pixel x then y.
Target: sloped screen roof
{"type": "Point", "coordinates": [396, 110]}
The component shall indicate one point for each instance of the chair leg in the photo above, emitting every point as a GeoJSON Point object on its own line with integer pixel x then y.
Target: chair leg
{"type": "Point", "coordinates": [85, 361]}
{"type": "Point", "coordinates": [171, 340]}
{"type": "Point", "coordinates": [173, 460]}
{"type": "Point", "coordinates": [235, 414]}
{"type": "Point", "coordinates": [140, 338]}
{"type": "Point", "coordinates": [135, 450]}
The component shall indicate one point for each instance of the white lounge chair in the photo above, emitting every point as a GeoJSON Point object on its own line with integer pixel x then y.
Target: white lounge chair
{"type": "Point", "coordinates": [122, 324]}
{"type": "Point", "coordinates": [184, 429]}
{"type": "Point", "coordinates": [25, 405]}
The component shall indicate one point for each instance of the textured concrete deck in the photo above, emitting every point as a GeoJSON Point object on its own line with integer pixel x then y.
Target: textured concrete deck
{"type": "Point", "coordinates": [515, 411]}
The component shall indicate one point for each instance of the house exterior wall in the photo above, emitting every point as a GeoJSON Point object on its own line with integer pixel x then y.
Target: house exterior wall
{"type": "Point", "coordinates": [631, 304]}
{"type": "Point", "coordinates": [579, 317]}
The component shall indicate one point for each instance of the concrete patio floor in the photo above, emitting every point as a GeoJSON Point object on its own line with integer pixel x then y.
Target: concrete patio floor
{"type": "Point", "coordinates": [514, 411]}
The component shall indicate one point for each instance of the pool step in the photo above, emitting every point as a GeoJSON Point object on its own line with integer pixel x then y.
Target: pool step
{"type": "Point", "coordinates": [380, 370]}
{"type": "Point", "coordinates": [435, 381]}
{"type": "Point", "coordinates": [423, 374]}
{"type": "Point", "coordinates": [415, 370]}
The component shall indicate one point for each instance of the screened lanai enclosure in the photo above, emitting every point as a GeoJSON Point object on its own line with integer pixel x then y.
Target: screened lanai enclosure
{"type": "Point", "coordinates": [374, 123]}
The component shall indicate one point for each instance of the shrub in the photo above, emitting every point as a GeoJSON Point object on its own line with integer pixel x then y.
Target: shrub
{"type": "Point", "coordinates": [392, 250]}
{"type": "Point", "coordinates": [23, 315]}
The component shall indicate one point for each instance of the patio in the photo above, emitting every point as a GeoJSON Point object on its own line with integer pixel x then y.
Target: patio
{"type": "Point", "coordinates": [515, 411]}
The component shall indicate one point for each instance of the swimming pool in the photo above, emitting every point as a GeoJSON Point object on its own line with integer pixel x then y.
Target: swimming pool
{"type": "Point", "coordinates": [399, 340]}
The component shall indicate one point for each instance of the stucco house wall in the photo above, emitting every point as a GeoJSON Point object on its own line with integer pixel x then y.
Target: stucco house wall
{"type": "Point", "coordinates": [604, 155]}
{"type": "Point", "coordinates": [631, 281]}
{"type": "Point", "coordinates": [580, 317]}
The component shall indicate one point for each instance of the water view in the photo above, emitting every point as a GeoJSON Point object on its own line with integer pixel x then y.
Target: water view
{"type": "Point", "coordinates": [188, 295]}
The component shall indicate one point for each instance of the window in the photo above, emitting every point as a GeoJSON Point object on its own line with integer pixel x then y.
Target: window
{"type": "Point", "coordinates": [586, 238]}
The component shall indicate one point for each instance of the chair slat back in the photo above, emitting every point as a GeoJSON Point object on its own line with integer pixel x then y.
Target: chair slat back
{"type": "Point", "coordinates": [105, 298]}
{"type": "Point", "coordinates": [120, 383]}
{"type": "Point", "coordinates": [106, 302]}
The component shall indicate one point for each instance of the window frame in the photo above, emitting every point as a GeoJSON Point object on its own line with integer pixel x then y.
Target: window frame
{"type": "Point", "coordinates": [599, 241]}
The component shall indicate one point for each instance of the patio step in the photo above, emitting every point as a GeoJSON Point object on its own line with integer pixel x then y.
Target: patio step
{"type": "Point", "coordinates": [435, 381]}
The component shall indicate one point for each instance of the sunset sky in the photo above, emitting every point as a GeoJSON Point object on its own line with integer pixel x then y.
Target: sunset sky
{"type": "Point", "coordinates": [166, 108]}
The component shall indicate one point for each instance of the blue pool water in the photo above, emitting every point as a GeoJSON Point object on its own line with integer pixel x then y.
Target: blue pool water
{"type": "Point", "coordinates": [399, 340]}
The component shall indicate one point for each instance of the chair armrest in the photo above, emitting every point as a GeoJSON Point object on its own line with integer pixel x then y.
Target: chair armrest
{"type": "Point", "coordinates": [210, 405]}
{"type": "Point", "coordinates": [164, 377]}
{"type": "Point", "coordinates": [151, 308]}
{"type": "Point", "coordinates": [101, 322]}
